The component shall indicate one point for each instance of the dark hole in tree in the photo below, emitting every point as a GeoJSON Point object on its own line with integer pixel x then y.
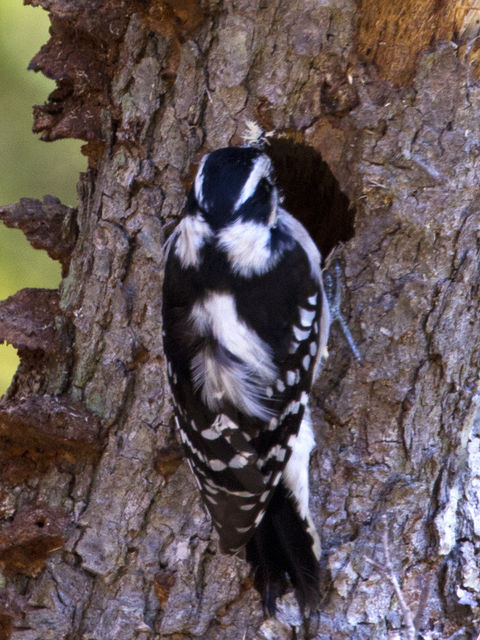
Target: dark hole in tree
{"type": "Point", "coordinates": [312, 193]}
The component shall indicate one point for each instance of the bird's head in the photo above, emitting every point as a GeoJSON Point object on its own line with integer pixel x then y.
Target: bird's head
{"type": "Point", "coordinates": [235, 183]}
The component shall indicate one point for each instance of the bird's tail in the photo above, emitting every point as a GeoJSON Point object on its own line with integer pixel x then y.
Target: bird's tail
{"type": "Point", "coordinates": [285, 544]}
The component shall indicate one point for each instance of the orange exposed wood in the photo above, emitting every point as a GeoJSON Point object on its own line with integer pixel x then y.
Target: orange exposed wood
{"type": "Point", "coordinates": [393, 33]}
{"type": "Point", "coordinates": [26, 541]}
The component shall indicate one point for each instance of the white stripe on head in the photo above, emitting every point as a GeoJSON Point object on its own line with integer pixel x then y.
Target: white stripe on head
{"type": "Point", "coordinates": [199, 181]}
{"type": "Point", "coordinates": [261, 168]}
{"type": "Point", "coordinates": [272, 218]}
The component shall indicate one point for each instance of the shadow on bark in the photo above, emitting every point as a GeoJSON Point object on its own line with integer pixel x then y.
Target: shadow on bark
{"type": "Point", "coordinates": [312, 193]}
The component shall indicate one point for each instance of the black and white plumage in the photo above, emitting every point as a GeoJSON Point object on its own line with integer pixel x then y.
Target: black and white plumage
{"type": "Point", "coordinates": [246, 324]}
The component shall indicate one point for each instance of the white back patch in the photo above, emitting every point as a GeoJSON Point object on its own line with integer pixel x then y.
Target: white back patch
{"type": "Point", "coordinates": [242, 380]}
{"type": "Point", "coordinates": [191, 234]}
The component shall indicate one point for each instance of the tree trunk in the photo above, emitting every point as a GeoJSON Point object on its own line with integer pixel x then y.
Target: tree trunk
{"type": "Point", "coordinates": [102, 533]}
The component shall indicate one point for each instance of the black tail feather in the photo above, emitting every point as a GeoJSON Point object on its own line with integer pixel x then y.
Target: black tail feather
{"type": "Point", "coordinates": [280, 547]}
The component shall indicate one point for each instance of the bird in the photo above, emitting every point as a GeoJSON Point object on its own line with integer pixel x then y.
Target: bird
{"type": "Point", "coordinates": [245, 328]}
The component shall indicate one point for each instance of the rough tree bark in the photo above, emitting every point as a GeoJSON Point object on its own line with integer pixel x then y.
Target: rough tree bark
{"type": "Point", "coordinates": [102, 533]}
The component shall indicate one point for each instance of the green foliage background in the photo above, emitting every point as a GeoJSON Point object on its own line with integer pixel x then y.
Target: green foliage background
{"type": "Point", "coordinates": [28, 166]}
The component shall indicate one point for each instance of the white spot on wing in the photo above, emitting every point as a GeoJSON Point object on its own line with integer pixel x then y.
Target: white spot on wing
{"type": "Point", "coordinates": [306, 362]}
{"type": "Point", "coordinates": [242, 494]}
{"type": "Point", "coordinates": [216, 465]}
{"type": "Point", "coordinates": [221, 423]}
{"type": "Point", "coordinates": [290, 378]}
{"type": "Point", "coordinates": [273, 424]}
{"type": "Point", "coordinates": [313, 299]}
{"type": "Point", "coordinates": [238, 462]}
{"type": "Point", "coordinates": [210, 483]}
{"type": "Point", "coordinates": [291, 408]}
{"type": "Point", "coordinates": [210, 490]}
{"type": "Point", "coordinates": [276, 478]}
{"type": "Point", "coordinates": [247, 507]}
{"type": "Point", "coordinates": [258, 519]}
{"type": "Point", "coordinates": [306, 317]}
{"type": "Point", "coordinates": [210, 434]}
{"type": "Point", "coordinates": [293, 346]}
{"type": "Point", "coordinates": [300, 334]}
{"type": "Point", "coordinates": [277, 452]}
{"type": "Point", "coordinates": [242, 529]}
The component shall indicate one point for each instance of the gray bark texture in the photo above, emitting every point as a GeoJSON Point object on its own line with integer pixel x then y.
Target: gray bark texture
{"type": "Point", "coordinates": [102, 533]}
